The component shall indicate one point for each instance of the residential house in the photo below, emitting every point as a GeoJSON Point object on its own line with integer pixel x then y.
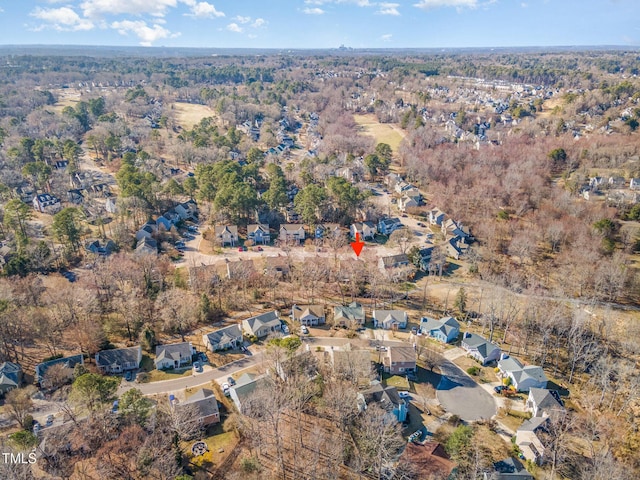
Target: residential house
{"type": "Point", "coordinates": [175, 355]}
{"type": "Point", "coordinates": [292, 233]}
{"type": "Point", "coordinates": [393, 261]}
{"type": "Point", "coordinates": [147, 246]}
{"type": "Point", "coordinates": [595, 183]}
{"type": "Point", "coordinates": [390, 319]}
{"type": "Point", "coordinates": [392, 179]}
{"type": "Point", "coordinates": [226, 235]}
{"type": "Point", "coordinates": [400, 360]}
{"type": "Point", "coordinates": [309, 315]}
{"type": "Point", "coordinates": [528, 439]}
{"type": "Point", "coordinates": [97, 248]}
{"type": "Point", "coordinates": [436, 216]}
{"type": "Point", "coordinates": [206, 406]}
{"type": "Point", "coordinates": [119, 360]}
{"type": "Point", "coordinates": [46, 203]}
{"type": "Point", "coordinates": [385, 397]}
{"type": "Point", "coordinates": [10, 376]}
{"type": "Point", "coordinates": [480, 348]}
{"type": "Point", "coordinates": [409, 201]}
{"type": "Point", "coordinates": [68, 363]}
{"type": "Point", "coordinates": [456, 247]}
{"type": "Point", "coordinates": [402, 187]}
{"type": "Point", "coordinates": [259, 233]}
{"type": "Point", "coordinates": [147, 230]}
{"type": "Point", "coordinates": [328, 230]}
{"type": "Point", "coordinates": [278, 267]}
{"type": "Point", "coordinates": [508, 469]}
{"type": "Point", "coordinates": [521, 377]}
{"type": "Point", "coordinates": [429, 459]}
{"type": "Point", "coordinates": [187, 210]}
{"type": "Point", "coordinates": [350, 315]}
{"type": "Point", "coordinates": [223, 338]}
{"type": "Point", "coordinates": [348, 174]}
{"type": "Point", "coordinates": [367, 230]}
{"type": "Point", "coordinates": [616, 182]}
{"type": "Point", "coordinates": [245, 392]}
{"type": "Point", "coordinates": [164, 223]}
{"type": "Point", "coordinates": [445, 330]}
{"type": "Point", "coordinates": [634, 184]}
{"type": "Point", "coordinates": [542, 402]}
{"type": "Point", "coordinates": [386, 226]}
{"type": "Point", "coordinates": [262, 325]}
{"type": "Point", "coordinates": [351, 363]}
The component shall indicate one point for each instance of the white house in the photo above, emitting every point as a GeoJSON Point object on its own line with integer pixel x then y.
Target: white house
{"type": "Point", "coordinates": [367, 230]}
{"type": "Point", "coordinates": [390, 319]}
{"type": "Point", "coordinates": [542, 402]}
{"type": "Point", "coordinates": [522, 377]}
{"type": "Point", "coordinates": [46, 203]}
{"type": "Point", "coordinates": [480, 348]}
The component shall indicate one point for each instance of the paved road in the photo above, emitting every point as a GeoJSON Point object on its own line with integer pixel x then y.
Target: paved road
{"type": "Point", "coordinates": [461, 396]}
{"type": "Point", "coordinates": [215, 374]}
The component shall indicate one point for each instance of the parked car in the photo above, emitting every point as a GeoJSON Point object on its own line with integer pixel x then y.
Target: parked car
{"type": "Point", "coordinates": [404, 395]}
{"type": "Point", "coordinates": [197, 367]}
{"type": "Point", "coordinates": [285, 329]}
{"type": "Point", "coordinates": [115, 406]}
{"type": "Point", "coordinates": [128, 376]}
{"type": "Point", "coordinates": [414, 330]}
{"type": "Point", "coordinates": [304, 330]}
{"type": "Point", "coordinates": [231, 381]}
{"type": "Point", "coordinates": [499, 388]}
{"type": "Point", "coordinates": [226, 389]}
{"type": "Point", "coordinates": [49, 420]}
{"type": "Point", "coordinates": [259, 249]}
{"type": "Point", "coordinates": [420, 224]}
{"type": "Point", "coordinates": [36, 427]}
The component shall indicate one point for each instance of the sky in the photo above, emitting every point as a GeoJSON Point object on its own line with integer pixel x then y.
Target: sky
{"type": "Point", "coordinates": [320, 23]}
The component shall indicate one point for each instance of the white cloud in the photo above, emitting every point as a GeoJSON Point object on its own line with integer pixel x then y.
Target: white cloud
{"type": "Point", "coordinates": [360, 3]}
{"type": "Point", "coordinates": [241, 19]}
{"type": "Point", "coordinates": [147, 34]}
{"type": "Point", "coordinates": [203, 10]}
{"type": "Point", "coordinates": [259, 22]}
{"type": "Point", "coordinates": [100, 8]}
{"type": "Point", "coordinates": [388, 8]}
{"type": "Point", "coordinates": [234, 27]}
{"type": "Point", "coordinates": [459, 4]}
{"type": "Point", "coordinates": [313, 11]}
{"type": "Point", "coordinates": [61, 19]}
{"type": "Point", "coordinates": [386, 37]}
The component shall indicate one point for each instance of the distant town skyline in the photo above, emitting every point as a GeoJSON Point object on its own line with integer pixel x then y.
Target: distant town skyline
{"type": "Point", "coordinates": [321, 23]}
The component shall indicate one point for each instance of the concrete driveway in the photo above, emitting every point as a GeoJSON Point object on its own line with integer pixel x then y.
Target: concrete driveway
{"type": "Point", "coordinates": [460, 395]}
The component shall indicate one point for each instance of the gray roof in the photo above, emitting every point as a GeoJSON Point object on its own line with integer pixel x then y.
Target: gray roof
{"type": "Point", "coordinates": [69, 362]}
{"type": "Point", "coordinates": [7, 382]}
{"type": "Point", "coordinates": [393, 260]}
{"type": "Point", "coordinates": [174, 351]}
{"type": "Point", "coordinates": [247, 384]}
{"type": "Point", "coordinates": [268, 319]}
{"type": "Point", "coordinates": [354, 311]}
{"type": "Point", "coordinates": [118, 356]}
{"type": "Point", "coordinates": [253, 228]}
{"type": "Point", "coordinates": [481, 344]}
{"type": "Point", "coordinates": [401, 353]}
{"type": "Point", "coordinates": [383, 315]}
{"type": "Point", "coordinates": [510, 469]}
{"type": "Point", "coordinates": [546, 399]}
{"type": "Point", "coordinates": [11, 371]}
{"type": "Point", "coordinates": [205, 400]}
{"type": "Point", "coordinates": [533, 424]}
{"type": "Point", "coordinates": [445, 324]}
{"type": "Point", "coordinates": [386, 396]}
{"type": "Point", "coordinates": [225, 335]}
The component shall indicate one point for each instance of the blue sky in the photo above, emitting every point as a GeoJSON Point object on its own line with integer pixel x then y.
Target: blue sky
{"type": "Point", "coordinates": [321, 23]}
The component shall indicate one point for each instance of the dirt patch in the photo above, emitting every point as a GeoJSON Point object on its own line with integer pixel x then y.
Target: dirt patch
{"type": "Point", "coordinates": [383, 132]}
{"type": "Point", "coordinates": [189, 114]}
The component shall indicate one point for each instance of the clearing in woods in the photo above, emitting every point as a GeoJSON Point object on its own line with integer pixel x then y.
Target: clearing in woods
{"type": "Point", "coordinates": [188, 114]}
{"type": "Point", "coordinates": [382, 132]}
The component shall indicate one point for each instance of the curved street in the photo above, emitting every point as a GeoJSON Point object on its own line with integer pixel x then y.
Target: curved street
{"type": "Point", "coordinates": [460, 395]}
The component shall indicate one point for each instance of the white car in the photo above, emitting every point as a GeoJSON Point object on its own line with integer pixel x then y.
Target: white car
{"type": "Point", "coordinates": [304, 329]}
{"type": "Point", "coordinates": [226, 389]}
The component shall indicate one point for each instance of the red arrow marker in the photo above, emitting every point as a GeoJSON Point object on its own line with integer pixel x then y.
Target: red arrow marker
{"type": "Point", "coordinates": [357, 245]}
